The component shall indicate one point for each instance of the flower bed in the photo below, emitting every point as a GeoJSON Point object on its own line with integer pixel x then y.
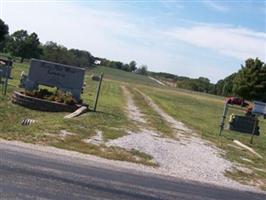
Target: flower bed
{"type": "Point", "coordinates": [42, 104]}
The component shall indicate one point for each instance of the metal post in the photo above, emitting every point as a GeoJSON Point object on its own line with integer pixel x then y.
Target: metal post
{"type": "Point", "coordinates": [254, 129]}
{"type": "Point", "coordinates": [98, 93]}
{"type": "Point", "coordinates": [223, 118]}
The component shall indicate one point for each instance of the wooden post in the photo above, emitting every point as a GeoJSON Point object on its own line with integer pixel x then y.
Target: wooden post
{"type": "Point", "coordinates": [254, 129]}
{"type": "Point", "coordinates": [98, 93]}
{"type": "Point", "coordinates": [223, 118]}
{"type": "Point", "coordinates": [6, 81]}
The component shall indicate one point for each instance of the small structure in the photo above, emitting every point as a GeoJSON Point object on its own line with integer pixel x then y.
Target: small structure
{"type": "Point", "coordinates": [97, 62]}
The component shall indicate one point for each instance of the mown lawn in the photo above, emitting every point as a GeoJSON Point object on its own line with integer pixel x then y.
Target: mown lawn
{"type": "Point", "coordinates": [203, 114]}
{"type": "Point", "coordinates": [123, 76]}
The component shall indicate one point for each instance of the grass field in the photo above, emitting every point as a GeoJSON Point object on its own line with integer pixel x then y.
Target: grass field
{"type": "Point", "coordinates": [123, 76]}
{"type": "Point", "coordinates": [201, 112]}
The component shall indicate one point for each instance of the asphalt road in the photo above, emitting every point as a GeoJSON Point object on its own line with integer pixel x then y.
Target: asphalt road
{"type": "Point", "coordinates": [28, 174]}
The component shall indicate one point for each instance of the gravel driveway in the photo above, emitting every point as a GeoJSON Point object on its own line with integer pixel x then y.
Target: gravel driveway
{"type": "Point", "coordinates": [188, 157]}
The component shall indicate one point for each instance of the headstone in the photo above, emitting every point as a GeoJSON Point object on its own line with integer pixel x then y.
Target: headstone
{"type": "Point", "coordinates": [6, 67]}
{"type": "Point", "coordinates": [243, 124]}
{"type": "Point", "coordinates": [259, 108]}
{"type": "Point", "coordinates": [64, 77]}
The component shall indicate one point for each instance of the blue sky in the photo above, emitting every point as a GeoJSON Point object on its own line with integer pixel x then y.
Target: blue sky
{"type": "Point", "coordinates": [188, 38]}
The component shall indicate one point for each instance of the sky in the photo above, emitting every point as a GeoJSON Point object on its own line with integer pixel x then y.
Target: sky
{"type": "Point", "coordinates": [188, 38]}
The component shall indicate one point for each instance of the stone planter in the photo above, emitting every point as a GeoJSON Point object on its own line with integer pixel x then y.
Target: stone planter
{"type": "Point", "coordinates": [41, 104]}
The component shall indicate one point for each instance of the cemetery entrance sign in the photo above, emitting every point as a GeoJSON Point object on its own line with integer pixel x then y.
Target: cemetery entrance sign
{"type": "Point", "coordinates": [64, 77]}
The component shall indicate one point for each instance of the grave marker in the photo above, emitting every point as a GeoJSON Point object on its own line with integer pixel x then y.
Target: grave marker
{"type": "Point", "coordinates": [259, 108]}
{"type": "Point", "coordinates": [5, 73]}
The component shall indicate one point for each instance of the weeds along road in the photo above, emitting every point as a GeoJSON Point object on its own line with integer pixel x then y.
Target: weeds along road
{"type": "Point", "coordinates": [35, 174]}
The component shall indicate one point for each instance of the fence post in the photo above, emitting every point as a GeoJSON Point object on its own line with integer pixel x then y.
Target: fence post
{"type": "Point", "coordinates": [223, 118]}
{"type": "Point", "coordinates": [254, 129]}
{"type": "Point", "coordinates": [98, 93]}
{"type": "Point", "coordinates": [6, 80]}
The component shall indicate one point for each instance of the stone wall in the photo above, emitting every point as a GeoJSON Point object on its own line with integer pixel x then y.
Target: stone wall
{"type": "Point", "coordinates": [41, 104]}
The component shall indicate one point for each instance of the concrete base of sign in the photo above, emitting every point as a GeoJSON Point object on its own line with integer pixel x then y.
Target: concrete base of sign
{"type": "Point", "coordinates": [41, 104]}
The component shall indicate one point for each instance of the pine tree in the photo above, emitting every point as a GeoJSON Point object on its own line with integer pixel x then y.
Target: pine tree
{"type": "Point", "coordinates": [250, 82]}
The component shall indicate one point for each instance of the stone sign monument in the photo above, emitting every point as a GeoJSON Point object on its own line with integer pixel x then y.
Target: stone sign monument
{"type": "Point", "coordinates": [64, 77]}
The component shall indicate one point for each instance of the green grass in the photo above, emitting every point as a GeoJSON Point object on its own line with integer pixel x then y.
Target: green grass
{"type": "Point", "coordinates": [123, 76]}
{"type": "Point", "coordinates": [110, 118]}
{"type": "Point", "coordinates": [203, 114]}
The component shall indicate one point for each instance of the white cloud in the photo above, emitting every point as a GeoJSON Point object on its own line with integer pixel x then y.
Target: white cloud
{"type": "Point", "coordinates": [216, 6]}
{"type": "Point", "coordinates": [68, 24]}
{"type": "Point", "coordinates": [235, 42]}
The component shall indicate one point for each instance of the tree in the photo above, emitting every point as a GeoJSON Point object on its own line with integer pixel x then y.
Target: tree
{"type": "Point", "coordinates": [57, 53]}
{"type": "Point", "coordinates": [132, 66]}
{"type": "Point", "coordinates": [142, 70]}
{"type": "Point", "coordinates": [33, 48]}
{"type": "Point", "coordinates": [81, 58]}
{"type": "Point", "coordinates": [23, 45]}
{"type": "Point", "coordinates": [3, 30]}
{"type": "Point", "coordinates": [3, 34]}
{"type": "Point", "coordinates": [126, 67]}
{"type": "Point", "coordinates": [250, 82]}
{"type": "Point", "coordinates": [200, 84]}
{"type": "Point", "coordinates": [224, 87]}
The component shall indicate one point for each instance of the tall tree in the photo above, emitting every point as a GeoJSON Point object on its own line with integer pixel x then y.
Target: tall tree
{"type": "Point", "coordinates": [82, 58]}
{"type": "Point", "coordinates": [250, 82]}
{"type": "Point", "coordinates": [143, 69]}
{"type": "Point", "coordinates": [132, 66]}
{"type": "Point", "coordinates": [23, 45]}
{"type": "Point", "coordinates": [224, 87]}
{"type": "Point", "coordinates": [3, 30]}
{"type": "Point", "coordinates": [3, 34]}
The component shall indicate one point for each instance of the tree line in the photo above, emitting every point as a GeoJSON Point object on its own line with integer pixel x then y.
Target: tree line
{"type": "Point", "coordinates": [27, 45]}
{"type": "Point", "coordinates": [249, 82]}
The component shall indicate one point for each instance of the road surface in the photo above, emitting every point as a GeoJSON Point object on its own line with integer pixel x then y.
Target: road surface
{"type": "Point", "coordinates": [29, 174]}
